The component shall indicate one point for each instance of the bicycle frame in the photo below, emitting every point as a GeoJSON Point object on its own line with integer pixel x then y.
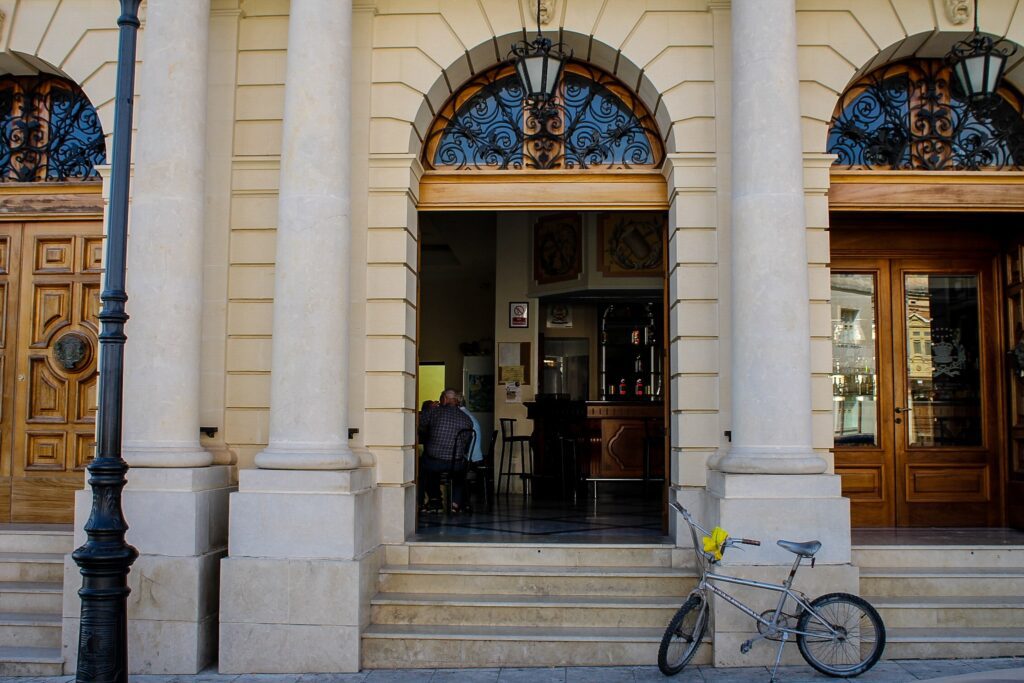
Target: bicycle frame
{"type": "Point", "coordinates": [704, 560]}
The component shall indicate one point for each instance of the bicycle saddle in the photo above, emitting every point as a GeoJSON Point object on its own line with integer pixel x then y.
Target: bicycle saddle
{"type": "Point", "coordinates": [806, 549]}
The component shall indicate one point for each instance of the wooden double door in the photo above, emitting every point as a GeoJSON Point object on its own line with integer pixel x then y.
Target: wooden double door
{"type": "Point", "coordinates": [916, 389]}
{"type": "Point", "coordinates": [49, 306]}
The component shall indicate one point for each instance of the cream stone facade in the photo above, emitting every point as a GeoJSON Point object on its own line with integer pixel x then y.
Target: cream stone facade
{"type": "Point", "coordinates": [273, 284]}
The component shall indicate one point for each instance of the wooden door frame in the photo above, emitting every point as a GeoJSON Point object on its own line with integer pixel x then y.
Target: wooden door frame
{"type": "Point", "coordinates": [870, 233]}
{"type": "Point", "coordinates": [993, 442]}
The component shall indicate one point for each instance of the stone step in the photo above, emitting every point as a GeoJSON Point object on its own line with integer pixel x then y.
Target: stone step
{"type": "Point", "coordinates": [521, 610]}
{"type": "Point", "coordinates": [30, 630]}
{"type": "Point", "coordinates": [36, 538]}
{"type": "Point", "coordinates": [30, 661]}
{"type": "Point", "coordinates": [938, 581]}
{"type": "Point", "coordinates": [38, 597]}
{"type": "Point", "coordinates": [549, 555]}
{"type": "Point", "coordinates": [983, 611]}
{"type": "Point", "coordinates": [525, 580]}
{"type": "Point", "coordinates": [953, 643]}
{"type": "Point", "coordinates": [21, 566]}
{"type": "Point", "coordinates": [391, 646]}
{"type": "Point", "coordinates": [963, 556]}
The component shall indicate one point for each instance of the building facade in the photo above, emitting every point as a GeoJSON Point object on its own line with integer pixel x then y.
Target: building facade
{"type": "Point", "coordinates": [286, 156]}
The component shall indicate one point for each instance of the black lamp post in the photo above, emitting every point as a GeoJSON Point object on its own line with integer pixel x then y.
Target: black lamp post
{"type": "Point", "coordinates": [539, 66]}
{"type": "Point", "coordinates": [105, 558]}
{"type": "Point", "coordinates": [978, 62]}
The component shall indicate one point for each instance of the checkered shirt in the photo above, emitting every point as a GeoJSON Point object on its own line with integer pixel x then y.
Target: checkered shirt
{"type": "Point", "coordinates": [438, 428]}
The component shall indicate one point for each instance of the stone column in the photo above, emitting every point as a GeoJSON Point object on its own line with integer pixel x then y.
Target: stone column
{"type": "Point", "coordinates": [175, 502]}
{"type": "Point", "coordinates": [770, 483]}
{"type": "Point", "coordinates": [302, 557]}
{"type": "Point", "coordinates": [771, 348]}
{"type": "Point", "coordinates": [309, 362]}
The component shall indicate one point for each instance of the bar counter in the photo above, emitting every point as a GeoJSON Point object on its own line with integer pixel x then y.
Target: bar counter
{"type": "Point", "coordinates": [613, 439]}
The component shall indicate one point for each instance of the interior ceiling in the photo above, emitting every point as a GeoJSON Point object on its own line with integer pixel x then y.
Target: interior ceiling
{"type": "Point", "coordinates": [457, 244]}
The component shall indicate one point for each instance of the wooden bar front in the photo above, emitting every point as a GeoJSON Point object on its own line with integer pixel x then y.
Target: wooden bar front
{"type": "Point", "coordinates": [613, 437]}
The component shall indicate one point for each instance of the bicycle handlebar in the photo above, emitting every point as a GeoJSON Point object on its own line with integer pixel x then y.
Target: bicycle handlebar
{"type": "Point", "coordinates": [689, 518]}
{"type": "Point", "coordinates": [749, 541]}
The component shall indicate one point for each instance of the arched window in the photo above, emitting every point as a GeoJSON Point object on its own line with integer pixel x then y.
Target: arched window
{"type": "Point", "coordinates": [48, 131]}
{"type": "Point", "coordinates": [913, 116]}
{"type": "Point", "coordinates": [594, 123]}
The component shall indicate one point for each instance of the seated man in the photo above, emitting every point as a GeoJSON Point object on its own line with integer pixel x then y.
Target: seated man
{"type": "Point", "coordinates": [439, 426]}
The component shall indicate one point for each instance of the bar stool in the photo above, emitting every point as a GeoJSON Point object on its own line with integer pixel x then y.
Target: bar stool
{"type": "Point", "coordinates": [508, 444]}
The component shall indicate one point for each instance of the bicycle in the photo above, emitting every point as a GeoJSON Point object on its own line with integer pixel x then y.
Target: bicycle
{"type": "Point", "coordinates": [839, 634]}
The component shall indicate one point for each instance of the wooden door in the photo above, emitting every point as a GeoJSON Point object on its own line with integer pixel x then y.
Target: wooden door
{"type": "Point", "coordinates": [916, 409]}
{"type": "Point", "coordinates": [1013, 273]}
{"type": "Point", "coordinates": [10, 262]}
{"type": "Point", "coordinates": [55, 367]}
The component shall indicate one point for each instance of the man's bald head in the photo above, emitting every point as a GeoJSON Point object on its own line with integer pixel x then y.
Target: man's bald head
{"type": "Point", "coordinates": [449, 397]}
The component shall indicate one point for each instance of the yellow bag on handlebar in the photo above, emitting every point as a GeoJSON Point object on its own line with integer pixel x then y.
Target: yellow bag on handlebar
{"type": "Point", "coordinates": [715, 543]}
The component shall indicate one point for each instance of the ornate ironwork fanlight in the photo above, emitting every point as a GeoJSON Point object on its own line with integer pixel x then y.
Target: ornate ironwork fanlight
{"type": "Point", "coordinates": [978, 62]}
{"type": "Point", "coordinates": [539, 66]}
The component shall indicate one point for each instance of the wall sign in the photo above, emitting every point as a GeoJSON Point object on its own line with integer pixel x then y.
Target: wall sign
{"type": "Point", "coordinates": [519, 314]}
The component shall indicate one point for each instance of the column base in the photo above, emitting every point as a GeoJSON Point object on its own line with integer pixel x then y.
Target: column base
{"type": "Point", "coordinates": [770, 460]}
{"type": "Point", "coordinates": [143, 455]}
{"type": "Point", "coordinates": [303, 564]}
{"type": "Point", "coordinates": [303, 458]}
{"type": "Point", "coordinates": [178, 522]}
{"type": "Point", "coordinates": [770, 507]}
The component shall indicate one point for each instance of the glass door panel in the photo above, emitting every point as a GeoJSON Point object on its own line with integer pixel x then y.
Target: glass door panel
{"type": "Point", "coordinates": [943, 361]}
{"type": "Point", "coordinates": [854, 360]}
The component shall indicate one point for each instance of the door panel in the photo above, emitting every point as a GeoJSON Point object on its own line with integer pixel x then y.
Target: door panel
{"type": "Point", "coordinates": [1013, 273]}
{"type": "Point", "coordinates": [945, 399]}
{"type": "Point", "coordinates": [915, 402]}
{"type": "Point", "coordinates": [10, 260]}
{"type": "Point", "coordinates": [862, 404]}
{"type": "Point", "coordinates": [55, 396]}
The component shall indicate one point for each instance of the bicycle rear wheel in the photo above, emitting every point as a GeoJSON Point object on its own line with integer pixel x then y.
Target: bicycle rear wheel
{"type": "Point", "coordinates": [851, 642]}
{"type": "Point", "coordinates": [683, 635]}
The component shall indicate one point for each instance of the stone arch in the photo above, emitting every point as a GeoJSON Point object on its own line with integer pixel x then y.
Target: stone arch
{"type": "Point", "coordinates": [839, 45]}
{"type": "Point", "coordinates": [421, 58]}
{"type": "Point", "coordinates": [77, 41]}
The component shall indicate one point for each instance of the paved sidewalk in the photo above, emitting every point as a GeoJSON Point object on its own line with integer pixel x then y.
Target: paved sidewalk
{"type": "Point", "coordinates": [903, 671]}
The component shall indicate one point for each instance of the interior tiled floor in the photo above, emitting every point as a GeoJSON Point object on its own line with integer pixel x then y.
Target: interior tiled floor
{"type": "Point", "coordinates": [620, 514]}
{"type": "Point", "coordinates": [964, 536]}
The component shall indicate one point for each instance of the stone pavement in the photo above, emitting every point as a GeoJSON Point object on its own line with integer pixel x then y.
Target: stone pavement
{"type": "Point", "coordinates": [902, 671]}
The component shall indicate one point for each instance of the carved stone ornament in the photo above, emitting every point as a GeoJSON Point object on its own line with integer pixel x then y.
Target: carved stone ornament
{"type": "Point", "coordinates": [547, 11]}
{"type": "Point", "coordinates": [71, 351]}
{"type": "Point", "coordinates": [958, 11]}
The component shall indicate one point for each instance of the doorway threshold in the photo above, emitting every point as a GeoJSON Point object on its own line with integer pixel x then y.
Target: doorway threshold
{"type": "Point", "coordinates": [513, 520]}
{"type": "Point", "coordinates": [935, 536]}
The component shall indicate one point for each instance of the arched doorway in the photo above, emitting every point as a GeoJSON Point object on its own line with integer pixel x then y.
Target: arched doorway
{"type": "Point", "coordinates": [545, 233]}
{"type": "Point", "coordinates": [920, 268]}
{"type": "Point", "coordinates": [51, 142]}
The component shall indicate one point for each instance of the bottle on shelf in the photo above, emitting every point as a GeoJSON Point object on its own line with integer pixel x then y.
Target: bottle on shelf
{"type": "Point", "coordinates": [634, 337]}
{"type": "Point", "coordinates": [639, 387]}
{"type": "Point", "coordinates": [622, 387]}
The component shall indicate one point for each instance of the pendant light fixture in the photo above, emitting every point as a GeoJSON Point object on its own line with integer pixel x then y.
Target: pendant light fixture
{"type": "Point", "coordinates": [539, 65]}
{"type": "Point", "coordinates": [978, 62]}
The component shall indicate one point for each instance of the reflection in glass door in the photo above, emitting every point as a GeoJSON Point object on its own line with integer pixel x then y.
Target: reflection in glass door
{"type": "Point", "coordinates": [913, 384]}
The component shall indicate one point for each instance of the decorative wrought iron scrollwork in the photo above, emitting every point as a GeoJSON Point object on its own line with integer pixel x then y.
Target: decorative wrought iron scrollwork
{"type": "Point", "coordinates": [912, 116]}
{"type": "Point", "coordinates": [593, 122]}
{"type": "Point", "coordinates": [48, 131]}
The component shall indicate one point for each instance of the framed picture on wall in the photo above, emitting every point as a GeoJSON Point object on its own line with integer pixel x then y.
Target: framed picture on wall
{"type": "Point", "coordinates": [631, 244]}
{"type": "Point", "coordinates": [557, 248]}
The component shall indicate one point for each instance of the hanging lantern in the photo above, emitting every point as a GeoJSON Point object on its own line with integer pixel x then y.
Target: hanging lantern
{"type": "Point", "coordinates": [978, 62]}
{"type": "Point", "coordinates": [539, 65]}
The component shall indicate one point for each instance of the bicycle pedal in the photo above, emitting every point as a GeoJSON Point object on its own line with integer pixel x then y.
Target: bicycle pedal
{"type": "Point", "coordinates": [745, 647]}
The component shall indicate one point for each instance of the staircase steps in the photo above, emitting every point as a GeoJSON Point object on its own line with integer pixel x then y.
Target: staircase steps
{"type": "Point", "coordinates": [483, 605]}
{"type": "Point", "coordinates": [946, 602]}
{"type": "Point", "coordinates": [31, 585]}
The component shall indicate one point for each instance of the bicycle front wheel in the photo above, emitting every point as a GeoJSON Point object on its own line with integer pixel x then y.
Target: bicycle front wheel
{"type": "Point", "coordinates": [843, 636]}
{"type": "Point", "coordinates": [683, 635]}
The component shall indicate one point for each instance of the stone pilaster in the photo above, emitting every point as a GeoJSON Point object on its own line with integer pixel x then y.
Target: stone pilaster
{"type": "Point", "coordinates": [302, 558]}
{"type": "Point", "coordinates": [770, 483]}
